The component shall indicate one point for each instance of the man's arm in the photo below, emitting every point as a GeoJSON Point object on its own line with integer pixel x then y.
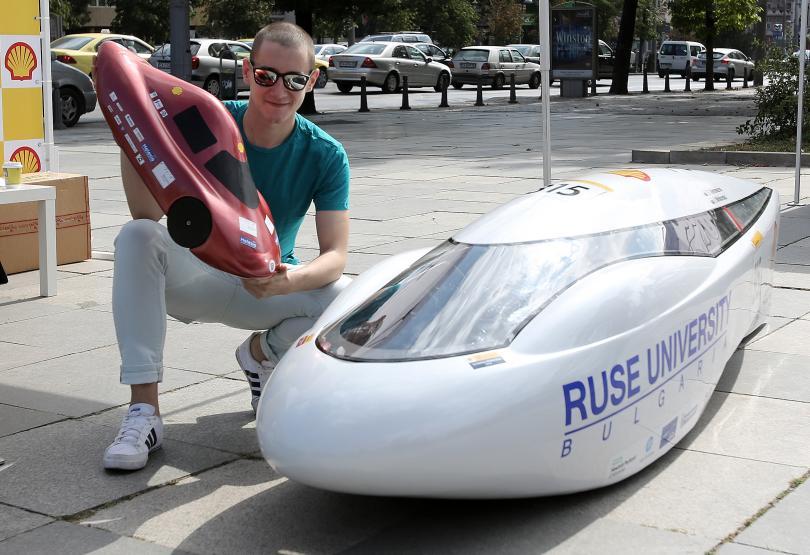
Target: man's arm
{"type": "Point", "coordinates": [141, 202]}
{"type": "Point", "coordinates": [333, 239]}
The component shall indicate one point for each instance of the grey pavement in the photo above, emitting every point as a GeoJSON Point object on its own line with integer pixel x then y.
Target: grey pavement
{"type": "Point", "coordinates": [735, 484]}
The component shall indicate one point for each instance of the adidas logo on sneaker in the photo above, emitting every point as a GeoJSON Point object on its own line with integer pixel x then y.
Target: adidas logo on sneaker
{"type": "Point", "coordinates": [255, 372]}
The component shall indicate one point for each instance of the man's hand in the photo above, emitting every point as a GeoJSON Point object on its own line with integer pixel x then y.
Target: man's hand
{"type": "Point", "coordinates": [277, 284]}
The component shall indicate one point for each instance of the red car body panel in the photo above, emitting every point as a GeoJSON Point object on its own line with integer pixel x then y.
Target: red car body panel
{"type": "Point", "coordinates": [188, 150]}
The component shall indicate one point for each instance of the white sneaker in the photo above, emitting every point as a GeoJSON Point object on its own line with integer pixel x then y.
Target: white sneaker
{"type": "Point", "coordinates": [141, 433]}
{"type": "Point", "coordinates": [257, 373]}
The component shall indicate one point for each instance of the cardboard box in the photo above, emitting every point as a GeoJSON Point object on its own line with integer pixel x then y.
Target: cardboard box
{"type": "Point", "coordinates": [19, 240]}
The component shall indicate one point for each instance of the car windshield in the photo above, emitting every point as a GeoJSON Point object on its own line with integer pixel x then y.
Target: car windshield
{"type": "Point", "coordinates": [70, 43]}
{"type": "Point", "coordinates": [473, 55]}
{"type": "Point", "coordinates": [462, 298]}
{"type": "Point", "coordinates": [365, 48]}
{"type": "Point", "coordinates": [376, 38]}
{"type": "Point", "coordinates": [523, 49]}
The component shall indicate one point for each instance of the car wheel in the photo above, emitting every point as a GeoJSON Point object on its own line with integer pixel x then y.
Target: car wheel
{"type": "Point", "coordinates": [345, 88]}
{"type": "Point", "coordinates": [441, 81]}
{"type": "Point", "coordinates": [391, 83]}
{"type": "Point", "coordinates": [498, 81]}
{"type": "Point", "coordinates": [211, 84]}
{"type": "Point", "coordinates": [457, 85]}
{"type": "Point", "coordinates": [695, 78]}
{"type": "Point", "coordinates": [661, 74]}
{"type": "Point", "coordinates": [322, 80]}
{"type": "Point", "coordinates": [71, 106]}
{"type": "Point", "coordinates": [534, 81]}
{"type": "Point", "coordinates": [189, 222]}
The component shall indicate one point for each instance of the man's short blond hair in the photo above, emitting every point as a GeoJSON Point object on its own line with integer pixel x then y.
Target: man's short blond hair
{"type": "Point", "coordinates": [286, 34]}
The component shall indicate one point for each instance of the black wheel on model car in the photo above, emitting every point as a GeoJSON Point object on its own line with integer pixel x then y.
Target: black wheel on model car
{"type": "Point", "coordinates": [189, 222]}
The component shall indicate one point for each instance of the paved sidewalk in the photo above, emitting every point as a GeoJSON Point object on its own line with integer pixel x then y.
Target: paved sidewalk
{"type": "Point", "coordinates": [417, 177]}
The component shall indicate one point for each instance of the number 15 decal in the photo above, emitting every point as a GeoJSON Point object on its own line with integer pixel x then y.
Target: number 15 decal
{"type": "Point", "coordinates": [586, 187]}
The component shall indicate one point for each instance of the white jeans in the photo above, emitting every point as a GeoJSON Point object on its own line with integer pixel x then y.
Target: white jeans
{"type": "Point", "coordinates": [154, 277]}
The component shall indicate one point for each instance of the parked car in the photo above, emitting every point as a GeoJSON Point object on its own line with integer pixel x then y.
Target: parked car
{"type": "Point", "coordinates": [493, 65]}
{"type": "Point", "coordinates": [205, 62]}
{"type": "Point", "coordinates": [325, 51]}
{"type": "Point", "coordinates": [433, 51]}
{"type": "Point", "coordinates": [675, 56]}
{"type": "Point", "coordinates": [75, 91]}
{"type": "Point", "coordinates": [80, 50]}
{"type": "Point", "coordinates": [530, 51]}
{"type": "Point", "coordinates": [384, 64]}
{"type": "Point", "coordinates": [402, 36]}
{"type": "Point", "coordinates": [727, 62]}
{"type": "Point", "coordinates": [323, 75]}
{"type": "Point", "coordinates": [606, 61]}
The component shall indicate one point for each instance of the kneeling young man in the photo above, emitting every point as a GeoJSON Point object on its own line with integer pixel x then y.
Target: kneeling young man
{"type": "Point", "coordinates": [293, 163]}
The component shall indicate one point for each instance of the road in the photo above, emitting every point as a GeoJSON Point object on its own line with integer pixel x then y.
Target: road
{"type": "Point", "coordinates": [329, 99]}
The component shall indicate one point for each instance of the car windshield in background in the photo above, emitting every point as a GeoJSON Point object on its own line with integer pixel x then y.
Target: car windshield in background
{"type": "Point", "coordinates": [461, 298]}
{"type": "Point", "coordinates": [715, 55]}
{"type": "Point", "coordinates": [525, 50]}
{"type": "Point", "coordinates": [70, 43]}
{"type": "Point", "coordinates": [473, 55]}
{"type": "Point", "coordinates": [383, 38]}
{"type": "Point", "coordinates": [365, 49]}
{"type": "Point", "coordinates": [673, 50]}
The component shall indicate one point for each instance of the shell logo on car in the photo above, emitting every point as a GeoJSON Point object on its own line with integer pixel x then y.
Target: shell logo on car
{"type": "Point", "coordinates": [21, 61]}
{"type": "Point", "coordinates": [638, 174]}
{"type": "Point", "coordinates": [22, 128]}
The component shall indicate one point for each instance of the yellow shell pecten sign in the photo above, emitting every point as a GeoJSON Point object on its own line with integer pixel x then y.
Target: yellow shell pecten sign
{"type": "Point", "coordinates": [22, 129]}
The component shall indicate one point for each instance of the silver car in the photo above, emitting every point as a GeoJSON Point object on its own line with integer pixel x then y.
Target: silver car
{"type": "Point", "coordinates": [727, 62]}
{"type": "Point", "coordinates": [205, 62]}
{"type": "Point", "coordinates": [493, 65]}
{"type": "Point", "coordinates": [384, 64]}
{"type": "Point", "coordinates": [76, 92]}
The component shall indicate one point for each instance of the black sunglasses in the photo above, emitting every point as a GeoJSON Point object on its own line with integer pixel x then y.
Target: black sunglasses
{"type": "Point", "coordinates": [267, 77]}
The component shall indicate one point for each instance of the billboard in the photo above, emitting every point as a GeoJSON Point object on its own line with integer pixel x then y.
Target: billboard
{"type": "Point", "coordinates": [573, 42]}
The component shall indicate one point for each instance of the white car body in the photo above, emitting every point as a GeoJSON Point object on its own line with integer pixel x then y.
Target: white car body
{"type": "Point", "coordinates": [675, 56]}
{"type": "Point", "coordinates": [563, 342]}
{"type": "Point", "coordinates": [725, 60]}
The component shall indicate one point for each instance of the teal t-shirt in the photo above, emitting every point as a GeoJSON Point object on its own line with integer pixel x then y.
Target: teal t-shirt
{"type": "Point", "coordinates": [309, 166]}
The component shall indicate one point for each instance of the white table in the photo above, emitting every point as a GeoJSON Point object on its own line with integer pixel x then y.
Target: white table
{"type": "Point", "coordinates": [46, 197]}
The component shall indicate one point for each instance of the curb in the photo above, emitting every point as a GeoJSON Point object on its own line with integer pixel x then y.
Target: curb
{"type": "Point", "coordinates": [720, 157]}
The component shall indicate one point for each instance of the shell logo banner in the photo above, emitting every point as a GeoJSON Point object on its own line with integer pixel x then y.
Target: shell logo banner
{"type": "Point", "coordinates": [22, 132]}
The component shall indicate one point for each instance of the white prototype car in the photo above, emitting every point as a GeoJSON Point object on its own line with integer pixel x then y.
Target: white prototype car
{"type": "Point", "coordinates": [561, 343]}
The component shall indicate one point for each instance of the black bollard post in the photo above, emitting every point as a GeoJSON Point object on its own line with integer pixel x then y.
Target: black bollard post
{"type": "Point", "coordinates": [688, 86]}
{"type": "Point", "coordinates": [363, 99]}
{"type": "Point", "coordinates": [444, 83]}
{"type": "Point", "coordinates": [645, 89]}
{"type": "Point", "coordinates": [728, 79]}
{"type": "Point", "coordinates": [593, 87]}
{"type": "Point", "coordinates": [56, 99]}
{"type": "Point", "coordinates": [512, 95]}
{"type": "Point", "coordinates": [405, 104]}
{"type": "Point", "coordinates": [745, 77]}
{"type": "Point", "coordinates": [666, 82]}
{"type": "Point", "coordinates": [479, 94]}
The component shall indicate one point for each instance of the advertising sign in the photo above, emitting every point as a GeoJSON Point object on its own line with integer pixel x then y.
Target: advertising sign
{"type": "Point", "coordinates": [573, 42]}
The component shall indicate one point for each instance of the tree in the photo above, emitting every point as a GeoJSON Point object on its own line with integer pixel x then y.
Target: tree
{"type": "Point", "coordinates": [621, 66]}
{"type": "Point", "coordinates": [146, 19]}
{"type": "Point", "coordinates": [450, 22]}
{"type": "Point", "coordinates": [74, 13]}
{"type": "Point", "coordinates": [706, 18]}
{"type": "Point", "coordinates": [235, 19]}
{"type": "Point", "coordinates": [505, 20]}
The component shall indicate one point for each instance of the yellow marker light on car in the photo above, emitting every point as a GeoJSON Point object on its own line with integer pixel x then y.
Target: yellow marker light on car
{"type": "Point", "coordinates": [756, 239]}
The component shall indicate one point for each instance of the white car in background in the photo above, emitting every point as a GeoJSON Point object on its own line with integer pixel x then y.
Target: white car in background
{"type": "Point", "coordinates": [326, 51]}
{"type": "Point", "coordinates": [727, 62]}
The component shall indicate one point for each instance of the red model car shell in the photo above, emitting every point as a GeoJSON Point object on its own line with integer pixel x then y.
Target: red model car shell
{"type": "Point", "coordinates": [189, 152]}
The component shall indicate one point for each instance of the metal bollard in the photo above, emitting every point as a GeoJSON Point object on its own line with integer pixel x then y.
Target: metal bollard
{"type": "Point", "coordinates": [593, 87]}
{"type": "Point", "coordinates": [688, 86]}
{"type": "Point", "coordinates": [363, 99]}
{"type": "Point", "coordinates": [444, 83]}
{"type": "Point", "coordinates": [745, 78]}
{"type": "Point", "coordinates": [479, 94]}
{"type": "Point", "coordinates": [645, 89]}
{"type": "Point", "coordinates": [405, 105]}
{"type": "Point", "coordinates": [56, 98]}
{"type": "Point", "coordinates": [512, 95]}
{"type": "Point", "coordinates": [666, 82]}
{"type": "Point", "coordinates": [728, 79]}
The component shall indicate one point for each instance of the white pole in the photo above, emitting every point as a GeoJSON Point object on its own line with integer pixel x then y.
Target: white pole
{"type": "Point", "coordinates": [545, 72]}
{"type": "Point", "coordinates": [47, 84]}
{"type": "Point", "coordinates": [800, 113]}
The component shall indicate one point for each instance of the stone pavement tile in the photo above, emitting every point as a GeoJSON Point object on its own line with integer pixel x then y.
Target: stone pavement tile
{"type": "Point", "coordinates": [104, 239]}
{"type": "Point", "coordinates": [783, 528]}
{"type": "Point", "coordinates": [88, 330]}
{"type": "Point", "coordinates": [16, 419]}
{"type": "Point", "coordinates": [790, 303]}
{"type": "Point", "coordinates": [608, 536]}
{"type": "Point", "coordinates": [244, 507]}
{"type": "Point", "coordinates": [396, 247]}
{"type": "Point", "coordinates": [759, 428]}
{"type": "Point", "coordinates": [739, 549]}
{"type": "Point", "coordinates": [205, 348]}
{"type": "Point", "coordinates": [70, 539]}
{"type": "Point", "coordinates": [56, 470]}
{"type": "Point", "coordinates": [772, 324]}
{"type": "Point", "coordinates": [512, 187]}
{"type": "Point", "coordinates": [792, 230]}
{"type": "Point", "coordinates": [14, 521]}
{"type": "Point", "coordinates": [793, 254]}
{"type": "Point", "coordinates": [91, 266]}
{"type": "Point", "coordinates": [791, 339]}
{"type": "Point", "coordinates": [791, 275]}
{"type": "Point", "coordinates": [13, 355]}
{"type": "Point", "coordinates": [767, 374]}
{"type": "Point", "coordinates": [359, 262]}
{"type": "Point", "coordinates": [214, 414]}
{"type": "Point", "coordinates": [100, 220]}
{"type": "Point", "coordinates": [78, 384]}
{"type": "Point", "coordinates": [74, 291]}
{"type": "Point", "coordinates": [101, 206]}
{"type": "Point", "coordinates": [359, 241]}
{"type": "Point", "coordinates": [473, 196]}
